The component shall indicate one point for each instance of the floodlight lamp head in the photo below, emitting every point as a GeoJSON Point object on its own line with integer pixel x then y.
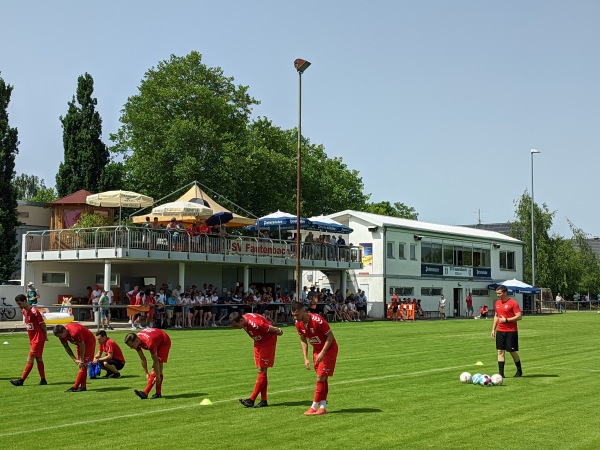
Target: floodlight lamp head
{"type": "Point", "coordinates": [533, 150]}
{"type": "Point", "coordinates": [301, 65]}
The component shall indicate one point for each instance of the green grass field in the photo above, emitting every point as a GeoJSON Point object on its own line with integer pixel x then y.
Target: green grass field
{"type": "Point", "coordinates": [395, 386]}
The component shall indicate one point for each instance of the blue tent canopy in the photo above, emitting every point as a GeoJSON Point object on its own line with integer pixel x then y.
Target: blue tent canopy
{"type": "Point", "coordinates": [515, 286]}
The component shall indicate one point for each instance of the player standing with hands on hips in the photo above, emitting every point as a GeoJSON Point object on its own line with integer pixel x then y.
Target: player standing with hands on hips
{"type": "Point", "coordinates": [505, 331]}
{"type": "Point", "coordinates": [315, 329]}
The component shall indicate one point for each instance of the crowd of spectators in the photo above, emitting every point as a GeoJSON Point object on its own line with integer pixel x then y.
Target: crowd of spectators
{"type": "Point", "coordinates": [195, 307]}
{"type": "Point", "coordinates": [405, 309]}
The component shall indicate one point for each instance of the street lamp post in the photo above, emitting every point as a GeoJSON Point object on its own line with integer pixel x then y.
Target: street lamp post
{"type": "Point", "coordinates": [533, 152]}
{"type": "Point", "coordinates": [301, 65]}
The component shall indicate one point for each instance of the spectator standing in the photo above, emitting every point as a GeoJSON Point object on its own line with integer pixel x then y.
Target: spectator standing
{"type": "Point", "coordinates": [33, 294]}
{"type": "Point", "coordinates": [104, 303]}
{"type": "Point", "coordinates": [442, 307]}
{"type": "Point", "coordinates": [86, 345]}
{"type": "Point", "coordinates": [559, 303]}
{"type": "Point", "coordinates": [264, 336]}
{"type": "Point", "coordinates": [158, 344]}
{"type": "Point", "coordinates": [504, 329]}
{"type": "Point", "coordinates": [38, 335]}
{"type": "Point", "coordinates": [469, 301]}
{"type": "Point", "coordinates": [113, 360]}
{"type": "Point", "coordinates": [315, 330]}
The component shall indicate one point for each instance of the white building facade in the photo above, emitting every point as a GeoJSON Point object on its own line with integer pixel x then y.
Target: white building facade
{"type": "Point", "coordinates": [424, 261]}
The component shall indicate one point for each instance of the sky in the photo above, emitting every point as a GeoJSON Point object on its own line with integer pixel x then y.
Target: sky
{"type": "Point", "coordinates": [436, 103]}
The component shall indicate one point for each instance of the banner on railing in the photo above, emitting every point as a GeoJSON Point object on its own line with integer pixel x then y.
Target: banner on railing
{"type": "Point", "coordinates": [261, 249]}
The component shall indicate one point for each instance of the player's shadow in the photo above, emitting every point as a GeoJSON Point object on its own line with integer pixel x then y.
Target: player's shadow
{"type": "Point", "coordinates": [541, 375]}
{"type": "Point", "coordinates": [300, 403]}
{"type": "Point", "coordinates": [110, 389]}
{"type": "Point", "coordinates": [355, 411]}
{"type": "Point", "coordinates": [186, 395]}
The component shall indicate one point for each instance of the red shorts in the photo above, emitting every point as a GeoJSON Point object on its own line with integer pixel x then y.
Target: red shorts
{"type": "Point", "coordinates": [36, 349]}
{"type": "Point", "coordinates": [264, 356]}
{"type": "Point", "coordinates": [163, 350]}
{"type": "Point", "coordinates": [89, 353]}
{"type": "Point", "coordinates": [327, 366]}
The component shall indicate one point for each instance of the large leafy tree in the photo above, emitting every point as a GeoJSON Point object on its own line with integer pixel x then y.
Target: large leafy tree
{"type": "Point", "coordinates": [9, 222]}
{"type": "Point", "coordinates": [86, 155]}
{"type": "Point", "coordinates": [398, 209]}
{"type": "Point", "coordinates": [183, 125]}
{"type": "Point", "coordinates": [28, 186]}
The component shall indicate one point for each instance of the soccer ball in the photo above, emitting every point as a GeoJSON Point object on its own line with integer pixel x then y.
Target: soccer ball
{"type": "Point", "coordinates": [475, 378]}
{"type": "Point", "coordinates": [497, 380]}
{"type": "Point", "coordinates": [485, 380]}
{"type": "Point", "coordinates": [465, 377]}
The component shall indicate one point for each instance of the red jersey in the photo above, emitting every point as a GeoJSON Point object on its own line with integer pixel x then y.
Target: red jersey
{"type": "Point", "coordinates": [315, 332]}
{"type": "Point", "coordinates": [507, 309]}
{"type": "Point", "coordinates": [77, 333]}
{"type": "Point", "coordinates": [469, 301]}
{"type": "Point", "coordinates": [111, 346]}
{"type": "Point", "coordinates": [257, 328]}
{"type": "Point", "coordinates": [33, 320]}
{"type": "Point", "coordinates": [152, 339]}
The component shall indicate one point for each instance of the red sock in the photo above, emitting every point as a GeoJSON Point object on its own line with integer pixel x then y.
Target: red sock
{"type": "Point", "coordinates": [81, 378]}
{"type": "Point", "coordinates": [325, 390]}
{"type": "Point", "coordinates": [263, 390]}
{"type": "Point", "coordinates": [41, 370]}
{"type": "Point", "coordinates": [319, 391]}
{"type": "Point", "coordinates": [159, 384]}
{"type": "Point", "coordinates": [151, 381]}
{"type": "Point", "coordinates": [27, 370]}
{"type": "Point", "coordinates": [258, 386]}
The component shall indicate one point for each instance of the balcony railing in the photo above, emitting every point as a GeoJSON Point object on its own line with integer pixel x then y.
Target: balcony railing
{"type": "Point", "coordinates": [137, 238]}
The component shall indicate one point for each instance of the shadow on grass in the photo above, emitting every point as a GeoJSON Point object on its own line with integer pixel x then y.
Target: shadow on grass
{"type": "Point", "coordinates": [187, 395]}
{"type": "Point", "coordinates": [356, 411]}
{"type": "Point", "coordinates": [540, 375]}
{"type": "Point", "coordinates": [301, 403]}
{"type": "Point", "coordinates": [110, 389]}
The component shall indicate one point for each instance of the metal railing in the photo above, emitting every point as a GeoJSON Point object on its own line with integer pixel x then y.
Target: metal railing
{"type": "Point", "coordinates": [132, 238]}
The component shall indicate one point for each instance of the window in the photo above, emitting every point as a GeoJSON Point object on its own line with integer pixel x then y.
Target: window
{"type": "Point", "coordinates": [114, 279]}
{"type": "Point", "coordinates": [55, 278]}
{"type": "Point", "coordinates": [507, 260]}
{"type": "Point", "coordinates": [401, 247]}
{"type": "Point", "coordinates": [431, 252]}
{"type": "Point", "coordinates": [480, 292]}
{"type": "Point", "coordinates": [402, 291]}
{"type": "Point", "coordinates": [431, 291]}
{"type": "Point", "coordinates": [390, 250]}
{"type": "Point", "coordinates": [481, 256]}
{"type": "Point", "coordinates": [449, 254]}
{"type": "Point", "coordinates": [413, 252]}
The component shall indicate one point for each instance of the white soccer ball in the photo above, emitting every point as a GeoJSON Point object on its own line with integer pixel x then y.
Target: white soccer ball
{"type": "Point", "coordinates": [497, 379]}
{"type": "Point", "coordinates": [475, 378]}
{"type": "Point", "coordinates": [485, 380]}
{"type": "Point", "coordinates": [465, 377]}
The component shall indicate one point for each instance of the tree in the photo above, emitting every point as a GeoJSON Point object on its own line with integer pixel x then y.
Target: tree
{"type": "Point", "coordinates": [189, 122]}
{"type": "Point", "coordinates": [9, 222]}
{"type": "Point", "coordinates": [183, 125]}
{"type": "Point", "coordinates": [86, 155]}
{"type": "Point", "coordinates": [521, 229]}
{"type": "Point", "coordinates": [397, 210]}
{"type": "Point", "coordinates": [28, 186]}
{"type": "Point", "coordinates": [45, 195]}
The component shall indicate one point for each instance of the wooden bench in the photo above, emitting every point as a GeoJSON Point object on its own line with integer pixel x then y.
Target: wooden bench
{"type": "Point", "coordinates": [431, 314]}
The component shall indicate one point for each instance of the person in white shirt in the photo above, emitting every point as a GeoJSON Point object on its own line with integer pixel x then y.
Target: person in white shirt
{"type": "Point", "coordinates": [442, 307]}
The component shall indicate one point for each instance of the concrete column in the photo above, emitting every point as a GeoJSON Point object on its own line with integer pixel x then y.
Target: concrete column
{"type": "Point", "coordinates": [246, 278]}
{"type": "Point", "coordinates": [182, 276]}
{"type": "Point", "coordinates": [344, 286]}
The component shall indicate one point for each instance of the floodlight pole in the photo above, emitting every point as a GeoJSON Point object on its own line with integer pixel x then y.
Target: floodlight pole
{"type": "Point", "coordinates": [301, 65]}
{"type": "Point", "coordinates": [533, 152]}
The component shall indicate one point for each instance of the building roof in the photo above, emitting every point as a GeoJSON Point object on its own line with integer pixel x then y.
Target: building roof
{"type": "Point", "coordinates": [504, 227]}
{"type": "Point", "coordinates": [76, 198]}
{"type": "Point", "coordinates": [416, 225]}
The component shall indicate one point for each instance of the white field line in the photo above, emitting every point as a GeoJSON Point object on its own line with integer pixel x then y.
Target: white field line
{"type": "Point", "coordinates": [196, 405]}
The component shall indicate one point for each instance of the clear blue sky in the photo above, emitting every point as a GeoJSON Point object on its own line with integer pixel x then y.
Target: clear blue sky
{"type": "Point", "coordinates": [436, 103]}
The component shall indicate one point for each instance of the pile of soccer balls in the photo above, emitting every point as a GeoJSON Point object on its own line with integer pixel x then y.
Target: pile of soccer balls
{"type": "Point", "coordinates": [481, 379]}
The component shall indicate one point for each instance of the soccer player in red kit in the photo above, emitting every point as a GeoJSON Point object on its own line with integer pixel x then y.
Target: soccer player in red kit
{"type": "Point", "coordinates": [265, 341]}
{"type": "Point", "coordinates": [86, 345]}
{"type": "Point", "coordinates": [158, 343]}
{"type": "Point", "coordinates": [315, 330]}
{"type": "Point", "coordinates": [507, 314]}
{"type": "Point", "coordinates": [38, 335]}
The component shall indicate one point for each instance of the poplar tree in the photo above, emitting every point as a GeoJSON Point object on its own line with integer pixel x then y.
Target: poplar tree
{"type": "Point", "coordinates": [86, 156]}
{"type": "Point", "coordinates": [9, 222]}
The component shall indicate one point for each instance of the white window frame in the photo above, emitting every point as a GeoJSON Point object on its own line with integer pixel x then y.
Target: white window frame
{"type": "Point", "coordinates": [401, 250]}
{"type": "Point", "coordinates": [390, 246]}
{"type": "Point", "coordinates": [413, 252]}
{"type": "Point", "coordinates": [65, 284]}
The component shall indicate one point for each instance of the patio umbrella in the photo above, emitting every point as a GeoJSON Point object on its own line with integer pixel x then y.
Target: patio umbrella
{"type": "Point", "coordinates": [279, 221]}
{"type": "Point", "coordinates": [515, 286]}
{"type": "Point", "coordinates": [324, 223]}
{"type": "Point", "coordinates": [180, 209]}
{"type": "Point", "coordinates": [219, 218]}
{"type": "Point", "coordinates": [120, 199]}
